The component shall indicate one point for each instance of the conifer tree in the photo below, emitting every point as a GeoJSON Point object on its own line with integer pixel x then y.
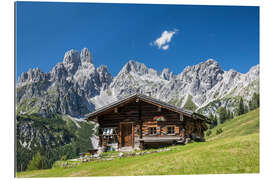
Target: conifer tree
{"type": "Point", "coordinates": [211, 117]}
{"type": "Point", "coordinates": [258, 100]}
{"type": "Point", "coordinates": [241, 108]}
{"type": "Point", "coordinates": [228, 114]}
{"type": "Point", "coordinates": [250, 104]}
{"type": "Point", "coordinates": [246, 109]}
{"type": "Point", "coordinates": [222, 114]}
{"type": "Point", "coordinates": [255, 101]}
{"type": "Point", "coordinates": [215, 121]}
{"type": "Point", "coordinates": [231, 115]}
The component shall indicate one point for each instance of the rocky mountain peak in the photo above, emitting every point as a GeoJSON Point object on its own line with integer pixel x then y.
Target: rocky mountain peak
{"type": "Point", "coordinates": [103, 69]}
{"type": "Point", "coordinates": [201, 77]}
{"type": "Point", "coordinates": [105, 76]}
{"type": "Point", "coordinates": [167, 74]}
{"type": "Point", "coordinates": [72, 60]}
{"type": "Point", "coordinates": [202, 70]}
{"type": "Point", "coordinates": [58, 72]}
{"type": "Point", "coordinates": [254, 70]}
{"type": "Point", "coordinates": [134, 66]}
{"type": "Point", "coordinates": [210, 62]}
{"type": "Point", "coordinates": [68, 86]}
{"type": "Point", "coordinates": [208, 65]}
{"type": "Point", "coordinates": [71, 57]}
{"type": "Point", "coordinates": [86, 56]}
{"type": "Point", "coordinates": [33, 75]}
{"type": "Point", "coordinates": [253, 73]}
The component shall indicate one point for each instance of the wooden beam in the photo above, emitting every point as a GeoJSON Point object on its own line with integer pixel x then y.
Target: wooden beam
{"type": "Point", "coordinates": [120, 139]}
{"type": "Point", "coordinates": [181, 117]}
{"type": "Point", "coordinates": [140, 119]}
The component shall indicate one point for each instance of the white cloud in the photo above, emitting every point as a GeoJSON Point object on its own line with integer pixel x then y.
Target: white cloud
{"type": "Point", "coordinates": [163, 41]}
{"type": "Point", "coordinates": [165, 47]}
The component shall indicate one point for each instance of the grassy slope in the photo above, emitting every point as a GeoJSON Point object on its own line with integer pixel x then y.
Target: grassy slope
{"type": "Point", "coordinates": [236, 150]}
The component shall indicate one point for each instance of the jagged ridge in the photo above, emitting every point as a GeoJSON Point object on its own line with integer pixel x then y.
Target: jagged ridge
{"type": "Point", "coordinates": [76, 87]}
{"type": "Point", "coordinates": [66, 89]}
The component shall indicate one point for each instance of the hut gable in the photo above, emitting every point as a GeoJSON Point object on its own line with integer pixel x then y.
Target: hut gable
{"type": "Point", "coordinates": [141, 97]}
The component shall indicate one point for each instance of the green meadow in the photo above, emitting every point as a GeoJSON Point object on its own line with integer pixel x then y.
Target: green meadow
{"type": "Point", "coordinates": [235, 150]}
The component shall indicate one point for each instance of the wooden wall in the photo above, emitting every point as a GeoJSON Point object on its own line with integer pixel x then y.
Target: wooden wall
{"type": "Point", "coordinates": [130, 113]}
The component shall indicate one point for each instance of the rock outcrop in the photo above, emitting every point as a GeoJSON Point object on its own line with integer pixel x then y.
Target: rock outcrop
{"type": "Point", "coordinates": [66, 89]}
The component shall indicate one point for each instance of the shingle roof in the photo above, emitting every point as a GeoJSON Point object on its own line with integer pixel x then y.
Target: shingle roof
{"type": "Point", "coordinates": [146, 99]}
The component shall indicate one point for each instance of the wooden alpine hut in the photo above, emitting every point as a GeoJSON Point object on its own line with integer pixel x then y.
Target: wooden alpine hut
{"type": "Point", "coordinates": [139, 121]}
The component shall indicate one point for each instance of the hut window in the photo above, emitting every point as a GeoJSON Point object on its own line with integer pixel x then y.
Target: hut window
{"type": "Point", "coordinates": [170, 130]}
{"type": "Point", "coordinates": [108, 131]}
{"type": "Point", "coordinates": [152, 130]}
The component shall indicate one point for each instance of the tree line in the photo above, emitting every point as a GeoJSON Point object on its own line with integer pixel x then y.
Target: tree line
{"type": "Point", "coordinates": [42, 156]}
{"type": "Point", "coordinates": [225, 114]}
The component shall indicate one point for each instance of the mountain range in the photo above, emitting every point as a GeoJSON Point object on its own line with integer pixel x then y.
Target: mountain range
{"type": "Point", "coordinates": [75, 86]}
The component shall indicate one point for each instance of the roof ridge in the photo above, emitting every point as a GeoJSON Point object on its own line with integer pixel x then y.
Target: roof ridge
{"type": "Point", "coordinates": [141, 96]}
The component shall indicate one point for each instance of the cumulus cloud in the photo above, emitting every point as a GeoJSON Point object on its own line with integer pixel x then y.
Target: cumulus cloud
{"type": "Point", "coordinates": [163, 41]}
{"type": "Point", "coordinates": [165, 47]}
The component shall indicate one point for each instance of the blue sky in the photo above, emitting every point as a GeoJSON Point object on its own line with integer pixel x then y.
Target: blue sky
{"type": "Point", "coordinates": [159, 36]}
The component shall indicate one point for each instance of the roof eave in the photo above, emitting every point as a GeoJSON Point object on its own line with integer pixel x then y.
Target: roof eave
{"type": "Point", "coordinates": [146, 99]}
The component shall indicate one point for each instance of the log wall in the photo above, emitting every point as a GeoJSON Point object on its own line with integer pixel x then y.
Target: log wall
{"type": "Point", "coordinates": [130, 112]}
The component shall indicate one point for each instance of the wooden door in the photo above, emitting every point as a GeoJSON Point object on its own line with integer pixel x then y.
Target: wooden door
{"type": "Point", "coordinates": [126, 131]}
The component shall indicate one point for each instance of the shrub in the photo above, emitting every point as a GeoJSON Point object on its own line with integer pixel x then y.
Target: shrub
{"type": "Point", "coordinates": [219, 131]}
{"type": "Point", "coordinates": [208, 133]}
{"type": "Point", "coordinates": [38, 162]}
{"type": "Point", "coordinates": [190, 105]}
{"type": "Point", "coordinates": [64, 158]}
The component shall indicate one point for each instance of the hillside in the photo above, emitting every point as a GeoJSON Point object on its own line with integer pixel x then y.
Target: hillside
{"type": "Point", "coordinates": [235, 150]}
{"type": "Point", "coordinates": [53, 137]}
